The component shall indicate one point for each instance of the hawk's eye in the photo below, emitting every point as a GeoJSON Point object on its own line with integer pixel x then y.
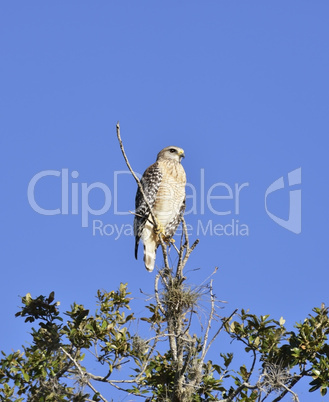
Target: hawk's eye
{"type": "Point", "coordinates": [172, 150]}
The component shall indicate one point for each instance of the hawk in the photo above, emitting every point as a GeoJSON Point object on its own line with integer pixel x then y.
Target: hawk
{"type": "Point", "coordinates": [164, 187]}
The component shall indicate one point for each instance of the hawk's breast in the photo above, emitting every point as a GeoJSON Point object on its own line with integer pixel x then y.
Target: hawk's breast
{"type": "Point", "coordinates": [171, 192]}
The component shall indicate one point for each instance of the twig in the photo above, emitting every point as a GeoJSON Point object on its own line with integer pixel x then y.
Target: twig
{"type": "Point", "coordinates": [293, 383]}
{"type": "Point", "coordinates": [140, 216]}
{"type": "Point", "coordinates": [253, 364]}
{"type": "Point", "coordinates": [238, 390]}
{"type": "Point", "coordinates": [156, 290]}
{"type": "Point", "coordinates": [211, 315]}
{"type": "Point", "coordinates": [83, 375]}
{"type": "Point", "coordinates": [164, 252]}
{"type": "Point", "coordinates": [182, 260]}
{"type": "Point", "coordinates": [220, 328]}
{"type": "Point", "coordinates": [295, 396]}
{"type": "Point", "coordinates": [175, 247]}
{"type": "Point", "coordinates": [183, 246]}
{"type": "Point", "coordinates": [134, 174]}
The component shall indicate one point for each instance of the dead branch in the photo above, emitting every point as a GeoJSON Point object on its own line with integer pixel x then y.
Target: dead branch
{"type": "Point", "coordinates": [156, 289]}
{"type": "Point", "coordinates": [220, 328]}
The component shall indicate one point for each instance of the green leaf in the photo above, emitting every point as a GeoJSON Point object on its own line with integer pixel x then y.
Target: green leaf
{"type": "Point", "coordinates": [314, 388]}
{"type": "Point", "coordinates": [51, 297]}
{"type": "Point", "coordinates": [26, 376]}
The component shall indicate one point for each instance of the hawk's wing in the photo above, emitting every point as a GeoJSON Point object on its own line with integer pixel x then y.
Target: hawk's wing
{"type": "Point", "coordinates": [150, 182]}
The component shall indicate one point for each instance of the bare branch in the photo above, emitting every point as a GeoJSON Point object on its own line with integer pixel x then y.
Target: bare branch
{"type": "Point", "coordinates": [175, 247]}
{"type": "Point", "coordinates": [253, 364]}
{"type": "Point", "coordinates": [84, 375]}
{"type": "Point", "coordinates": [211, 315]}
{"type": "Point", "coordinates": [220, 328]}
{"type": "Point", "coordinates": [182, 260]}
{"type": "Point", "coordinates": [164, 251]}
{"type": "Point", "coordinates": [295, 396]}
{"type": "Point", "coordinates": [134, 174]}
{"type": "Point", "coordinates": [238, 390]}
{"type": "Point", "coordinates": [156, 290]}
{"type": "Point", "coordinates": [296, 378]}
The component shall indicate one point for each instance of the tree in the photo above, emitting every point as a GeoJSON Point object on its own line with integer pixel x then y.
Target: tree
{"type": "Point", "coordinates": [54, 366]}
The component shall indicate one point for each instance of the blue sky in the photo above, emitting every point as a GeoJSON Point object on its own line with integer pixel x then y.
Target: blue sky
{"type": "Point", "coordinates": [243, 87]}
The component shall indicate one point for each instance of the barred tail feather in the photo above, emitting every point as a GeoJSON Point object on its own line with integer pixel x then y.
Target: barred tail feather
{"type": "Point", "coordinates": [136, 247]}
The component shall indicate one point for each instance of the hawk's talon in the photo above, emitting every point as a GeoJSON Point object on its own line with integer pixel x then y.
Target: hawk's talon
{"type": "Point", "coordinates": [159, 229]}
{"type": "Point", "coordinates": [168, 240]}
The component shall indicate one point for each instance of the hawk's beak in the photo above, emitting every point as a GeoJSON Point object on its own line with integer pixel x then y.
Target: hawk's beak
{"type": "Point", "coordinates": [181, 154]}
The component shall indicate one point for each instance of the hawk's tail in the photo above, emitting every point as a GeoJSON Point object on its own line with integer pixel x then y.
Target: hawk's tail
{"type": "Point", "coordinates": [136, 246]}
{"type": "Point", "coordinates": [149, 255]}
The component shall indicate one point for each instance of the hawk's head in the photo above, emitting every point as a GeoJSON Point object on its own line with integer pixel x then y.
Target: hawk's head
{"type": "Point", "coordinates": [171, 152]}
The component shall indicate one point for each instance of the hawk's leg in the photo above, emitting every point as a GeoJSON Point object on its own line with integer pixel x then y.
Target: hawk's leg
{"type": "Point", "coordinates": [158, 228]}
